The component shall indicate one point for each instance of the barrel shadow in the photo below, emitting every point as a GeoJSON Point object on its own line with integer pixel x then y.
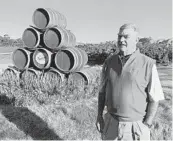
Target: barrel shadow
{"type": "Point", "coordinates": [29, 123]}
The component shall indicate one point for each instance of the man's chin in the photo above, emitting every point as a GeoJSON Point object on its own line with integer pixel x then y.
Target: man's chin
{"type": "Point", "coordinates": [122, 48]}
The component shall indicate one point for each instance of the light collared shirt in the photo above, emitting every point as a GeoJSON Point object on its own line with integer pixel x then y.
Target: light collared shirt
{"type": "Point", "coordinates": [155, 88]}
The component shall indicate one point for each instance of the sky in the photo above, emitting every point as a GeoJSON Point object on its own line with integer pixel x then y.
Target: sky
{"type": "Point", "coordinates": [92, 21]}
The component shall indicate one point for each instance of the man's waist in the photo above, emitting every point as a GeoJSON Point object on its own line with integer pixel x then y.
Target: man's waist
{"type": "Point", "coordinates": [127, 118]}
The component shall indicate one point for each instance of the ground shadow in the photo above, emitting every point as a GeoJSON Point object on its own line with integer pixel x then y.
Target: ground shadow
{"type": "Point", "coordinates": [28, 122]}
{"type": "Point", "coordinates": [4, 100]}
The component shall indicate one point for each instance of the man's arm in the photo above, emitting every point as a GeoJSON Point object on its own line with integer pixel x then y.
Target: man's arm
{"type": "Point", "coordinates": [155, 94]}
{"type": "Point", "coordinates": [151, 112]}
{"type": "Point", "coordinates": [102, 91]}
{"type": "Point", "coordinates": [101, 100]}
{"type": "Point", "coordinates": [101, 103]}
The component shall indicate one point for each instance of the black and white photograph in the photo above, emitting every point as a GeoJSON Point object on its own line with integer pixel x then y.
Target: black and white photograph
{"type": "Point", "coordinates": [86, 70]}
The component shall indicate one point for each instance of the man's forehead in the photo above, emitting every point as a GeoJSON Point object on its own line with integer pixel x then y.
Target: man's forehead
{"type": "Point", "coordinates": [127, 31]}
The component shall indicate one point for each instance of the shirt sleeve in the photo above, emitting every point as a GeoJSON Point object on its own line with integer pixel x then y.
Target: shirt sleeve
{"type": "Point", "coordinates": [155, 89]}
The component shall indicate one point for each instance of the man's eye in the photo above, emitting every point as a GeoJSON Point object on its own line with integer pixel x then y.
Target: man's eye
{"type": "Point", "coordinates": [119, 36]}
{"type": "Point", "coordinates": [126, 36]}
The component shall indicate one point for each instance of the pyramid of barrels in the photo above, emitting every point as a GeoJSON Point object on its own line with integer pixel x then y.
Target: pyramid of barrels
{"type": "Point", "coordinates": [50, 47]}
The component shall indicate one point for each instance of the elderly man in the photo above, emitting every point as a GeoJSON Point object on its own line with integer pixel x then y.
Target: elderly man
{"type": "Point", "coordinates": [130, 89]}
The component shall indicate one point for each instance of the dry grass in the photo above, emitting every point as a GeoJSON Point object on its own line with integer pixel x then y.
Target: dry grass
{"type": "Point", "coordinates": [162, 129]}
{"type": "Point", "coordinates": [44, 107]}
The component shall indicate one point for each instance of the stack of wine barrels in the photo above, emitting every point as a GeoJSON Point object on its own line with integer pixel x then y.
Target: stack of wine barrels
{"type": "Point", "coordinates": [50, 47]}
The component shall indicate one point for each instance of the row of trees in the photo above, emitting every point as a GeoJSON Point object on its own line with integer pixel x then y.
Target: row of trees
{"type": "Point", "coordinates": [6, 41]}
{"type": "Point", "coordinates": [160, 50]}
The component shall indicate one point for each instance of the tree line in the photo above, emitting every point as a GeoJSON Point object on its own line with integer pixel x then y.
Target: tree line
{"type": "Point", "coordinates": [160, 50]}
{"type": "Point", "coordinates": [6, 41]}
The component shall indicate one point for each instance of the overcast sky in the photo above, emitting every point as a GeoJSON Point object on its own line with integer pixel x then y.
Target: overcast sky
{"type": "Point", "coordinates": [92, 21]}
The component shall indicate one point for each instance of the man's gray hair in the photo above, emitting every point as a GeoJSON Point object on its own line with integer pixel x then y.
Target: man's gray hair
{"type": "Point", "coordinates": [129, 25]}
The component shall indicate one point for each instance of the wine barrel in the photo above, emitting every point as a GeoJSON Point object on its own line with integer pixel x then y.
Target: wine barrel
{"type": "Point", "coordinates": [21, 58]}
{"type": "Point", "coordinates": [32, 37]}
{"type": "Point", "coordinates": [30, 79]}
{"type": "Point", "coordinates": [42, 58]}
{"type": "Point", "coordinates": [76, 79]}
{"type": "Point", "coordinates": [30, 73]}
{"type": "Point", "coordinates": [12, 71]}
{"type": "Point", "coordinates": [46, 17]}
{"type": "Point", "coordinates": [87, 74]}
{"type": "Point", "coordinates": [53, 73]}
{"type": "Point", "coordinates": [70, 59]}
{"type": "Point", "coordinates": [57, 37]}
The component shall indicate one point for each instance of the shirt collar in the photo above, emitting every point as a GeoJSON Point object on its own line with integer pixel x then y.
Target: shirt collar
{"type": "Point", "coordinates": [134, 53]}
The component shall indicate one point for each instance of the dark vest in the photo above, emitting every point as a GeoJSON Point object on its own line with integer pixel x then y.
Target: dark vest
{"type": "Point", "coordinates": [126, 89]}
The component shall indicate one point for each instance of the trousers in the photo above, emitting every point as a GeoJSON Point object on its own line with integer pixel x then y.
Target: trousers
{"type": "Point", "coordinates": [118, 130]}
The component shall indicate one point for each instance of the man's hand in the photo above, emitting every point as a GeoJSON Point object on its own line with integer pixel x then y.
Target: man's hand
{"type": "Point", "coordinates": [100, 123]}
{"type": "Point", "coordinates": [150, 114]}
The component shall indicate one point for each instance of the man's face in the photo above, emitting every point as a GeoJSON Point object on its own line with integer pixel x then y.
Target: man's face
{"type": "Point", "coordinates": [127, 39]}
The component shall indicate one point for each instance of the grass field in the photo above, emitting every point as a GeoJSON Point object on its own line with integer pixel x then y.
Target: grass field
{"type": "Point", "coordinates": [38, 109]}
{"type": "Point", "coordinates": [7, 49]}
{"type": "Point", "coordinates": [6, 55]}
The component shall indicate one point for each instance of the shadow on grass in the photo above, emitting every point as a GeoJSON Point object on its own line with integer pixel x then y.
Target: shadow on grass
{"type": "Point", "coordinates": [27, 121]}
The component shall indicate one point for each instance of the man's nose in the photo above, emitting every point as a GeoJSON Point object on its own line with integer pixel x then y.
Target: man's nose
{"type": "Point", "coordinates": [122, 39]}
